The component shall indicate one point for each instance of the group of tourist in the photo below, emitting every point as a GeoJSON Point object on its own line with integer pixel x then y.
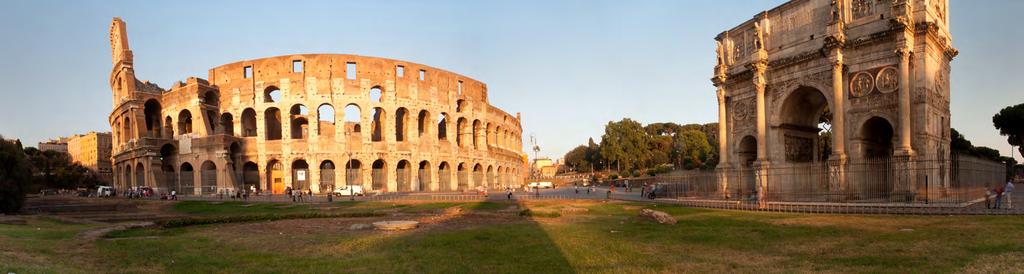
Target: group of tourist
{"type": "Point", "coordinates": [297, 194]}
{"type": "Point", "coordinates": [995, 197]}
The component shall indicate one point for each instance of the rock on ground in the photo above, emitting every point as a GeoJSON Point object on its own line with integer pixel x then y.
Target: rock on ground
{"type": "Point", "coordinates": [660, 217]}
{"type": "Point", "coordinates": [360, 226]}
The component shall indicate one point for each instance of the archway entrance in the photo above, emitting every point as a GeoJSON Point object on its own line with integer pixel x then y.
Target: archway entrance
{"type": "Point", "coordinates": [209, 178]}
{"type": "Point", "coordinates": [444, 176]}
{"type": "Point", "coordinates": [403, 174]}
{"type": "Point", "coordinates": [275, 177]}
{"type": "Point", "coordinates": [185, 175]}
{"type": "Point", "coordinates": [876, 166]}
{"type": "Point", "coordinates": [463, 177]}
{"type": "Point", "coordinates": [300, 175]}
{"type": "Point", "coordinates": [251, 177]}
{"type": "Point", "coordinates": [876, 138]}
{"type": "Point", "coordinates": [747, 153]}
{"type": "Point", "coordinates": [379, 175]}
{"type": "Point", "coordinates": [353, 176]}
{"type": "Point", "coordinates": [326, 177]}
{"type": "Point", "coordinates": [424, 176]}
{"type": "Point", "coordinates": [805, 123]}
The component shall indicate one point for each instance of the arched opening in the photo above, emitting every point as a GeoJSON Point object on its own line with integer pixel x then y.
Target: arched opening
{"type": "Point", "coordinates": [353, 172]}
{"type": "Point", "coordinates": [235, 154]}
{"type": "Point", "coordinates": [152, 112]}
{"type": "Point", "coordinates": [185, 122]}
{"type": "Point", "coordinates": [424, 176]}
{"type": "Point", "coordinates": [444, 177]}
{"type": "Point", "coordinates": [461, 131]}
{"type": "Point", "coordinates": [478, 175]}
{"type": "Point", "coordinates": [379, 175]}
{"type": "Point", "coordinates": [140, 175]}
{"type": "Point", "coordinates": [876, 138]}
{"type": "Point", "coordinates": [299, 121]}
{"type": "Point", "coordinates": [502, 177]}
{"type": "Point", "coordinates": [186, 179]}
{"type": "Point", "coordinates": [169, 179]}
{"type": "Point", "coordinates": [211, 98]}
{"type": "Point", "coordinates": [400, 121]}
{"type": "Point", "coordinates": [442, 127]}
{"type": "Point", "coordinates": [377, 126]}
{"type": "Point", "coordinates": [477, 143]}
{"type": "Point", "coordinates": [489, 139]}
{"type": "Point", "coordinates": [325, 121]}
{"type": "Point", "coordinates": [463, 177]}
{"type": "Point", "coordinates": [129, 178]}
{"type": "Point", "coordinates": [376, 94]}
{"type": "Point", "coordinates": [248, 122]}
{"type": "Point", "coordinates": [459, 105]}
{"type": "Point", "coordinates": [275, 176]}
{"type": "Point", "coordinates": [747, 152]}
{"type": "Point", "coordinates": [251, 177]}
{"type": "Point", "coordinates": [168, 156]}
{"type": "Point", "coordinates": [271, 95]}
{"type": "Point", "coordinates": [491, 182]}
{"type": "Point", "coordinates": [403, 175]}
{"type": "Point", "coordinates": [272, 121]}
{"type": "Point", "coordinates": [227, 124]}
{"type": "Point", "coordinates": [327, 176]}
{"type": "Point", "coordinates": [422, 121]}
{"type": "Point", "coordinates": [209, 178]}
{"type": "Point", "coordinates": [300, 175]}
{"type": "Point", "coordinates": [168, 126]}
{"type": "Point", "coordinates": [878, 172]}
{"type": "Point", "coordinates": [804, 118]}
{"type": "Point", "coordinates": [352, 118]}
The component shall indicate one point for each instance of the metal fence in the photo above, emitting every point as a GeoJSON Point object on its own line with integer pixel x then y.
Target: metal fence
{"type": "Point", "coordinates": [890, 182]}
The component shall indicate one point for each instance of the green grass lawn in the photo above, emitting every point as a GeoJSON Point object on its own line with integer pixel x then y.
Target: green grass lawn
{"type": "Point", "coordinates": [609, 238]}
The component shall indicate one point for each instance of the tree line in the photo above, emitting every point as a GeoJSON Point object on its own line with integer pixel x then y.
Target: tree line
{"type": "Point", "coordinates": [24, 170]}
{"type": "Point", "coordinates": [631, 148]}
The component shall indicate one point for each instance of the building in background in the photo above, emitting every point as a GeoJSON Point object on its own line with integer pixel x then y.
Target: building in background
{"type": "Point", "coordinates": [58, 145]}
{"type": "Point", "coordinates": [91, 150]}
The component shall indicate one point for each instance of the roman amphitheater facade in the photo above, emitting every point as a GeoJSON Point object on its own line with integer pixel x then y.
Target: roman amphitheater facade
{"type": "Point", "coordinates": [878, 70]}
{"type": "Point", "coordinates": [309, 122]}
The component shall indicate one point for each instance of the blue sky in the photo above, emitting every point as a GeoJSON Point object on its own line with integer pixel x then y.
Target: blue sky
{"type": "Point", "coordinates": [568, 66]}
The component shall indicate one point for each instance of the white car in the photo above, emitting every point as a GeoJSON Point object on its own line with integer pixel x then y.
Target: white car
{"type": "Point", "coordinates": [346, 191]}
{"type": "Point", "coordinates": [541, 185]}
{"type": "Point", "coordinates": [104, 191]}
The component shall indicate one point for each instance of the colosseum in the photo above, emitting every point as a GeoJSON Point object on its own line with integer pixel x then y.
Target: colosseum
{"type": "Point", "coordinates": [270, 124]}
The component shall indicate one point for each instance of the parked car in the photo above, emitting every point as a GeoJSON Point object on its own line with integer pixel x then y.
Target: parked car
{"type": "Point", "coordinates": [346, 190]}
{"type": "Point", "coordinates": [104, 191]}
{"type": "Point", "coordinates": [541, 185]}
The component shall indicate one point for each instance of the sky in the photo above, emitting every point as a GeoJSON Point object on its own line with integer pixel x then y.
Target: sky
{"type": "Point", "coordinates": [568, 66]}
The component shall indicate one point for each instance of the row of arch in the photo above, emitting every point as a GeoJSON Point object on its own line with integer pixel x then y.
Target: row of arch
{"type": "Point", "coordinates": [474, 134]}
{"type": "Point", "coordinates": [182, 178]}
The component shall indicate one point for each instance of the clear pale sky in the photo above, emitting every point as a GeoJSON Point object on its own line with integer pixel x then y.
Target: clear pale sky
{"type": "Point", "coordinates": [568, 66]}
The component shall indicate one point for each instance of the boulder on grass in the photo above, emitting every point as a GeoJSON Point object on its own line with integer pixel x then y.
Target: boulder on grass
{"type": "Point", "coordinates": [660, 217]}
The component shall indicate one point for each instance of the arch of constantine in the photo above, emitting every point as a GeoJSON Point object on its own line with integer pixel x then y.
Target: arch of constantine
{"type": "Point", "coordinates": [309, 122]}
{"type": "Point", "coordinates": [858, 89]}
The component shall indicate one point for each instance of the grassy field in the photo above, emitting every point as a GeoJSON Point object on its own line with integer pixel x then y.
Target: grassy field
{"type": "Point", "coordinates": [494, 238]}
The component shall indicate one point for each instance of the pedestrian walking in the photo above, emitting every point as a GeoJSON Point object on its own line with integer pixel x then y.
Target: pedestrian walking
{"type": "Point", "coordinates": [576, 188]}
{"type": "Point", "coordinates": [988, 197]}
{"type": "Point", "coordinates": [509, 190]}
{"type": "Point", "coordinates": [999, 196]}
{"type": "Point", "coordinates": [1006, 192]}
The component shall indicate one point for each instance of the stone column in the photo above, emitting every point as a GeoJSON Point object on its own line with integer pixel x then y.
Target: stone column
{"type": "Point", "coordinates": [904, 148]}
{"type": "Point", "coordinates": [837, 162]}
{"type": "Point", "coordinates": [759, 84]}
{"type": "Point", "coordinates": [758, 66]}
{"type": "Point", "coordinates": [723, 144]}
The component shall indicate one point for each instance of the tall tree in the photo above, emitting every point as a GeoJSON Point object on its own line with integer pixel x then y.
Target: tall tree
{"type": "Point", "coordinates": [14, 176]}
{"type": "Point", "coordinates": [1010, 123]}
{"type": "Point", "coordinates": [694, 148]}
{"type": "Point", "coordinates": [626, 144]}
{"type": "Point", "coordinates": [577, 159]}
